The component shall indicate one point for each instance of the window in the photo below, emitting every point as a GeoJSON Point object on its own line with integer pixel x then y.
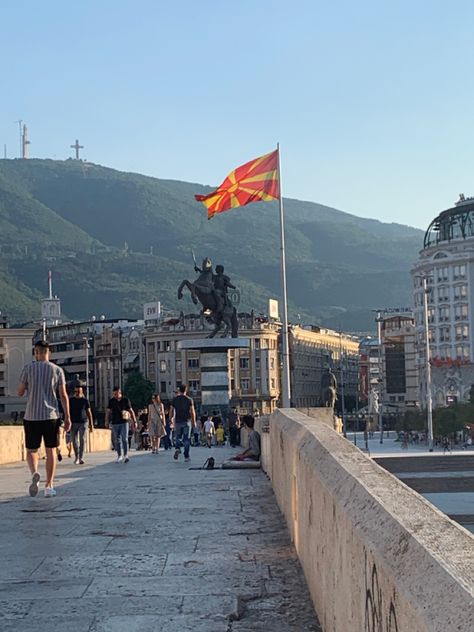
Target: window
{"type": "Point", "coordinates": [244, 363]}
{"type": "Point", "coordinates": [151, 349]}
{"type": "Point", "coordinates": [443, 294]}
{"type": "Point", "coordinates": [443, 274]}
{"type": "Point", "coordinates": [272, 363]}
{"type": "Point", "coordinates": [163, 366]}
{"type": "Point", "coordinates": [258, 384]}
{"type": "Point", "coordinates": [257, 362]}
{"type": "Point", "coordinates": [459, 272]}
{"type": "Point", "coordinates": [392, 398]}
{"type": "Point", "coordinates": [401, 398]}
{"type": "Point", "coordinates": [431, 315]}
{"type": "Point", "coordinates": [462, 352]}
{"type": "Point", "coordinates": [444, 334]}
{"type": "Point", "coordinates": [193, 363]}
{"type": "Point", "coordinates": [462, 332]}
{"type": "Point", "coordinates": [460, 312]}
{"type": "Point", "coordinates": [257, 343]}
{"type": "Point", "coordinates": [273, 383]}
{"type": "Point", "coordinates": [245, 384]}
{"type": "Point", "coordinates": [162, 387]}
{"type": "Point", "coordinates": [194, 385]}
{"type": "Point", "coordinates": [460, 292]}
{"type": "Point", "coordinates": [443, 314]}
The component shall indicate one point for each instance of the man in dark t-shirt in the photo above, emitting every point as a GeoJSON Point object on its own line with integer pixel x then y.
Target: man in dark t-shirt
{"type": "Point", "coordinates": [81, 415]}
{"type": "Point", "coordinates": [183, 414]}
{"type": "Point", "coordinates": [120, 413]}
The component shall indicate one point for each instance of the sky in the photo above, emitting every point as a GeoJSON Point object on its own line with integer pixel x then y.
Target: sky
{"type": "Point", "coordinates": [371, 101]}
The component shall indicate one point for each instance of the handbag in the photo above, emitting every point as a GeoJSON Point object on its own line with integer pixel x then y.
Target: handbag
{"type": "Point", "coordinates": [126, 416]}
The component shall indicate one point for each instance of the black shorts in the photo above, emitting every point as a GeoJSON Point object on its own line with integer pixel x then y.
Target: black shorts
{"type": "Point", "coordinates": [35, 431]}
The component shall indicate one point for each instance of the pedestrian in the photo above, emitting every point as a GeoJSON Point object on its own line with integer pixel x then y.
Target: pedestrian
{"type": "Point", "coordinates": [39, 380]}
{"type": "Point", "coordinates": [183, 416]}
{"type": "Point", "coordinates": [220, 435]}
{"type": "Point", "coordinates": [120, 414]}
{"type": "Point", "coordinates": [446, 446]}
{"type": "Point", "coordinates": [234, 428]}
{"type": "Point", "coordinates": [209, 431]}
{"type": "Point", "coordinates": [157, 420]}
{"type": "Point", "coordinates": [81, 417]}
{"type": "Point", "coordinates": [168, 430]}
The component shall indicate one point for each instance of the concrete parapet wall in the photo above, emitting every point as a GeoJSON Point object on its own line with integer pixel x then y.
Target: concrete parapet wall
{"type": "Point", "coordinates": [12, 443]}
{"type": "Point", "coordinates": [376, 555]}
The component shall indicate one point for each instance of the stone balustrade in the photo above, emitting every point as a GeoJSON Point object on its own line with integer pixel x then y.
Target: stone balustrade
{"type": "Point", "coordinates": [376, 555]}
{"type": "Point", "coordinates": [12, 443]}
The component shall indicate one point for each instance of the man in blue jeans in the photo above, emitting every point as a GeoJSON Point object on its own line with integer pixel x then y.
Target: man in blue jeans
{"type": "Point", "coordinates": [183, 415]}
{"type": "Point", "coordinates": [120, 413]}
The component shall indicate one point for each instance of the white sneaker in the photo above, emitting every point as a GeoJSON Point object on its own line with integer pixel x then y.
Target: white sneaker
{"type": "Point", "coordinates": [119, 459]}
{"type": "Point", "coordinates": [33, 489]}
{"type": "Point", "coordinates": [49, 492]}
{"type": "Point", "coordinates": [76, 462]}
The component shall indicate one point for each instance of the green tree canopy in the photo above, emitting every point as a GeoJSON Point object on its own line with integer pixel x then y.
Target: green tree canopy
{"type": "Point", "coordinates": [138, 389]}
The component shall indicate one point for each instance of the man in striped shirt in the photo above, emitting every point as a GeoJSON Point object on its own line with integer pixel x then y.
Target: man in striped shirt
{"type": "Point", "coordinates": [42, 381]}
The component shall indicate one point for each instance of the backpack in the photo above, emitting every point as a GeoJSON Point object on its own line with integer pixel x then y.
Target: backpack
{"type": "Point", "coordinates": [209, 464]}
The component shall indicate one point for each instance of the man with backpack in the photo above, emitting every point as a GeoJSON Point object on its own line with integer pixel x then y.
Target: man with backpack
{"type": "Point", "coordinates": [183, 414]}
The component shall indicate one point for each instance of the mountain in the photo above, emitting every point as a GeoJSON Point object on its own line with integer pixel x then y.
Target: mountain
{"type": "Point", "coordinates": [115, 240]}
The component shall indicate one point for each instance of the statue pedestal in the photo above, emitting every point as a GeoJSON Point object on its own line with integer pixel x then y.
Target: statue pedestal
{"type": "Point", "coordinates": [215, 368]}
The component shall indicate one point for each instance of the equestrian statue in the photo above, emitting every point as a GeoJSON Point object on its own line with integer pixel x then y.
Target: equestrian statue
{"type": "Point", "coordinates": [210, 289]}
{"type": "Point", "coordinates": [328, 389]}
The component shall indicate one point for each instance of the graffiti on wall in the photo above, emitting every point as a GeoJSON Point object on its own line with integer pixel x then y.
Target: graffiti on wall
{"type": "Point", "coordinates": [380, 615]}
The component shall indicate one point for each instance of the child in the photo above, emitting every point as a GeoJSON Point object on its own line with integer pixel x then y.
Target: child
{"type": "Point", "coordinates": [220, 435]}
{"type": "Point", "coordinates": [209, 431]}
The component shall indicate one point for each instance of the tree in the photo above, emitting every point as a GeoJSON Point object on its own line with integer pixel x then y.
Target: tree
{"type": "Point", "coordinates": [449, 420]}
{"type": "Point", "coordinates": [413, 419]}
{"type": "Point", "coordinates": [138, 389]}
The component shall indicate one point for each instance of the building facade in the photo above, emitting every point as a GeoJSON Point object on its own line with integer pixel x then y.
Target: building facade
{"type": "Point", "coordinates": [312, 351]}
{"type": "Point", "coordinates": [447, 263]}
{"type": "Point", "coordinates": [254, 372]}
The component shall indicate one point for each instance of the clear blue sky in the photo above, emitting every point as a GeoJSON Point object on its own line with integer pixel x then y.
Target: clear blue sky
{"type": "Point", "coordinates": [372, 102]}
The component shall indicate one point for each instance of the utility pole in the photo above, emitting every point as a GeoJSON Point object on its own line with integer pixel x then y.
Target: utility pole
{"type": "Point", "coordinates": [379, 336]}
{"type": "Point", "coordinates": [429, 402]}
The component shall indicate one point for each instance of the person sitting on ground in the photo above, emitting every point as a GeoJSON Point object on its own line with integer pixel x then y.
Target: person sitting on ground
{"type": "Point", "coordinates": [252, 453]}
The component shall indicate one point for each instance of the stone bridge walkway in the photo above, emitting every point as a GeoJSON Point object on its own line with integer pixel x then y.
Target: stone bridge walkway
{"type": "Point", "coordinates": [148, 546]}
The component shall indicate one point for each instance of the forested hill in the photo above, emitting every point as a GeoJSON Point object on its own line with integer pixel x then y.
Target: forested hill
{"type": "Point", "coordinates": [115, 240]}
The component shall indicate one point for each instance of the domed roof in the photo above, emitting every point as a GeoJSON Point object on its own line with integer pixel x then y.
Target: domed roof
{"type": "Point", "coordinates": [454, 223]}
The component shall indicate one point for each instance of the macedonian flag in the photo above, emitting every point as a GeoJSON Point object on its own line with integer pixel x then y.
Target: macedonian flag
{"type": "Point", "coordinates": [256, 181]}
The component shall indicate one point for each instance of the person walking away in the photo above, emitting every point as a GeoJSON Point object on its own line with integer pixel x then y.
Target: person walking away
{"type": "Point", "coordinates": [156, 422]}
{"type": "Point", "coordinates": [234, 428]}
{"type": "Point", "coordinates": [120, 413]}
{"type": "Point", "coordinates": [209, 431]}
{"type": "Point", "coordinates": [446, 446]}
{"type": "Point", "coordinates": [81, 417]}
{"type": "Point", "coordinates": [252, 453]}
{"type": "Point", "coordinates": [39, 380]}
{"type": "Point", "coordinates": [183, 416]}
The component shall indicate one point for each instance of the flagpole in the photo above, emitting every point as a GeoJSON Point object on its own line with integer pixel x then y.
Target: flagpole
{"type": "Point", "coordinates": [285, 386]}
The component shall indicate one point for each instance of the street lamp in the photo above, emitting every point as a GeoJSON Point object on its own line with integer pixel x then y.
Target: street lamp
{"type": "Point", "coordinates": [86, 341]}
{"type": "Point", "coordinates": [379, 336]}
{"type": "Point", "coordinates": [429, 402]}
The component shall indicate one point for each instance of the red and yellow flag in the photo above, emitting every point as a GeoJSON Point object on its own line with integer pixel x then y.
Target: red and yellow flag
{"type": "Point", "coordinates": [256, 181]}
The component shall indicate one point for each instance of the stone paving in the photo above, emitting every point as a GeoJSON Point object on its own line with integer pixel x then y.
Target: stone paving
{"type": "Point", "coordinates": [148, 546]}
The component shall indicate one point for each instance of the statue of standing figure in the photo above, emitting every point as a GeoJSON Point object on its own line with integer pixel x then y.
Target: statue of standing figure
{"type": "Point", "coordinates": [328, 389]}
{"type": "Point", "coordinates": [211, 290]}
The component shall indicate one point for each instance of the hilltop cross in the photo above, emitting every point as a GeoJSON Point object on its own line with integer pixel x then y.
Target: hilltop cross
{"type": "Point", "coordinates": [77, 147]}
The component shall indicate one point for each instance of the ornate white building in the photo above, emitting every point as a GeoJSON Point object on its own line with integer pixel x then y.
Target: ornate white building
{"type": "Point", "coordinates": [447, 262]}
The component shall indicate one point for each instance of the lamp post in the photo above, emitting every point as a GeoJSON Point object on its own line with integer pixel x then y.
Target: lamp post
{"type": "Point", "coordinates": [86, 341]}
{"type": "Point", "coordinates": [429, 403]}
{"type": "Point", "coordinates": [379, 337]}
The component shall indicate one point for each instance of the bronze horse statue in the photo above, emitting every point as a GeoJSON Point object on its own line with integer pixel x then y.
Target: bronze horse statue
{"type": "Point", "coordinates": [203, 291]}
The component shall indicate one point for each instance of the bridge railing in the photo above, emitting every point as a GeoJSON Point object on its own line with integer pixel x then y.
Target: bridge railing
{"type": "Point", "coordinates": [376, 555]}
